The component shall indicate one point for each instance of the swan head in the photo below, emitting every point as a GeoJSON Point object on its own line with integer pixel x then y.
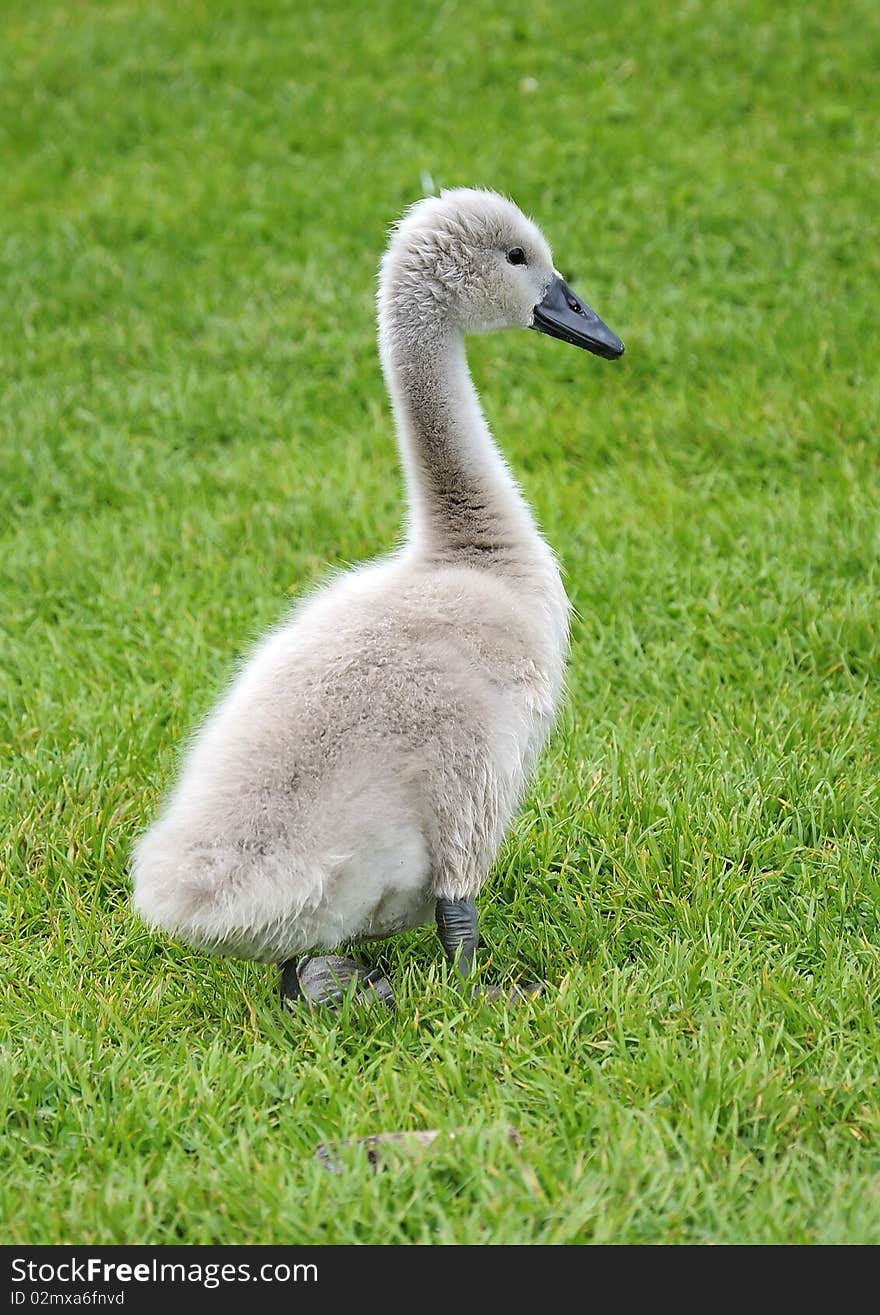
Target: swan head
{"type": "Point", "coordinates": [470, 259]}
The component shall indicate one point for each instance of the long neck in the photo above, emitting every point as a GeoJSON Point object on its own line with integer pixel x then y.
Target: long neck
{"type": "Point", "coordinates": [463, 501]}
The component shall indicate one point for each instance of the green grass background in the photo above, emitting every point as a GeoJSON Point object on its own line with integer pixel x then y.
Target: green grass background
{"type": "Point", "coordinates": [193, 429]}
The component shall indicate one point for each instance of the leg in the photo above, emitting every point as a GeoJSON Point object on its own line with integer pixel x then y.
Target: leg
{"type": "Point", "coordinates": [457, 922]}
{"type": "Point", "coordinates": [289, 984]}
{"type": "Point", "coordinates": [325, 980]}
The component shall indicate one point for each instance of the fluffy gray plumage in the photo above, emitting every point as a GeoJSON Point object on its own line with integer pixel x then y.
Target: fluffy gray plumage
{"type": "Point", "coordinates": [373, 750]}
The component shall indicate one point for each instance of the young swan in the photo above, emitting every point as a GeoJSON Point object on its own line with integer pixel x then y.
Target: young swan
{"type": "Point", "coordinates": [359, 776]}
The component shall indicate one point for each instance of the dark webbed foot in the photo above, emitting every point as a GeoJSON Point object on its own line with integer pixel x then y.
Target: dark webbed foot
{"type": "Point", "coordinates": [457, 927]}
{"type": "Point", "coordinates": [326, 980]}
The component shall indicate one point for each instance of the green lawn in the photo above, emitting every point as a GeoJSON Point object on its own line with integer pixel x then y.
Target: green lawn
{"type": "Point", "coordinates": [194, 430]}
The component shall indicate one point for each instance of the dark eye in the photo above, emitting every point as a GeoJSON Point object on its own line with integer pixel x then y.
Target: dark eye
{"type": "Point", "coordinates": [516, 256]}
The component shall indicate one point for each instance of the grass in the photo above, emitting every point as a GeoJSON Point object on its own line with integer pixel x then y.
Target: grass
{"type": "Point", "coordinates": [194, 428]}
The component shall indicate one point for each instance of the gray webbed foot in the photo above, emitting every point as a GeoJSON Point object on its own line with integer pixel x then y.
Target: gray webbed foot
{"type": "Point", "coordinates": [457, 927]}
{"type": "Point", "coordinates": [510, 995]}
{"type": "Point", "coordinates": [326, 979]}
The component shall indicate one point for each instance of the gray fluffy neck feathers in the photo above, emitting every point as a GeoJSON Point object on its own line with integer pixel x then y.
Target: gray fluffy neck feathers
{"type": "Point", "coordinates": [463, 501]}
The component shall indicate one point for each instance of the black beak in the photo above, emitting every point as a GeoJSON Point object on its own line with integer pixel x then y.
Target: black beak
{"type": "Point", "coordinates": [563, 315]}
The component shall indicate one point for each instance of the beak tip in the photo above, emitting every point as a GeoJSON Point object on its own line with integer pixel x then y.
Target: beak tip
{"type": "Point", "coordinates": [561, 314]}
